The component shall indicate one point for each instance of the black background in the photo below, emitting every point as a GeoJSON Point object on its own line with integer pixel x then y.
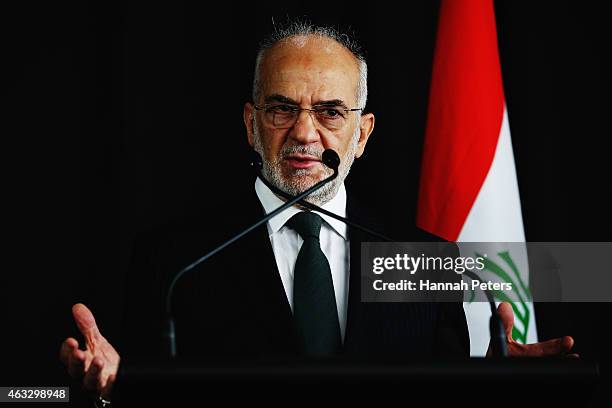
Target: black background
{"type": "Point", "coordinates": [123, 116]}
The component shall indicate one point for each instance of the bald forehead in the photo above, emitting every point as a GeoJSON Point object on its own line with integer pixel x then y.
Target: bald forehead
{"type": "Point", "coordinates": [314, 48]}
{"type": "Point", "coordinates": [315, 56]}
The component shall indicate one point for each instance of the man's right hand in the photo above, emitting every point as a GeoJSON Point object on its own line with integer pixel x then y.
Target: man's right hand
{"type": "Point", "coordinates": [97, 365]}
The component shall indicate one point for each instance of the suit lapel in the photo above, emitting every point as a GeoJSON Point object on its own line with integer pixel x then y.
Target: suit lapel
{"type": "Point", "coordinates": [262, 286]}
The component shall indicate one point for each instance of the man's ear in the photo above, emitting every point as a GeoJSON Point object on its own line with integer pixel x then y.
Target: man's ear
{"type": "Point", "coordinates": [366, 126]}
{"type": "Point", "coordinates": [247, 116]}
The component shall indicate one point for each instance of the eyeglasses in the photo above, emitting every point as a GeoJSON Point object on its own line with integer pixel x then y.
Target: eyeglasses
{"type": "Point", "coordinates": [282, 116]}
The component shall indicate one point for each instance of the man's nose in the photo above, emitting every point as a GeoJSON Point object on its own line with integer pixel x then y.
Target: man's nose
{"type": "Point", "coordinates": [305, 129]}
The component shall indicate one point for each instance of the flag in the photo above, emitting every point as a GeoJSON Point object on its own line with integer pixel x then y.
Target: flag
{"type": "Point", "coordinates": [468, 187]}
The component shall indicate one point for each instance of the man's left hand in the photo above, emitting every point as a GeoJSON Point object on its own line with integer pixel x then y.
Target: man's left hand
{"type": "Point", "coordinates": [549, 348]}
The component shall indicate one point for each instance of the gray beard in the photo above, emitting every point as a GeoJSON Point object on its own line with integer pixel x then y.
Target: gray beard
{"type": "Point", "coordinates": [272, 170]}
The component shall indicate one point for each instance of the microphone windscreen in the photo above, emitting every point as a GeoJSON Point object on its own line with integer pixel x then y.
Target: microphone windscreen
{"type": "Point", "coordinates": [331, 159]}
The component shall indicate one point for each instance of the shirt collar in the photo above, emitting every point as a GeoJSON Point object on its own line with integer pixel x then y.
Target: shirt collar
{"type": "Point", "coordinates": [270, 202]}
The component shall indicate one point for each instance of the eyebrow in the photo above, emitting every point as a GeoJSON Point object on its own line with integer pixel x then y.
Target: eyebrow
{"type": "Point", "coordinates": [284, 99]}
{"type": "Point", "coordinates": [280, 98]}
{"type": "Point", "coordinates": [333, 102]}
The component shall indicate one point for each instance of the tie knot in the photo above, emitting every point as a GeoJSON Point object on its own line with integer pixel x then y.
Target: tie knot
{"type": "Point", "coordinates": [307, 224]}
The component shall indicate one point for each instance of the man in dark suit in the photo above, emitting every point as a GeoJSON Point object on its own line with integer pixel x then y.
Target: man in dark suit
{"type": "Point", "coordinates": [237, 304]}
{"type": "Point", "coordinates": [292, 287]}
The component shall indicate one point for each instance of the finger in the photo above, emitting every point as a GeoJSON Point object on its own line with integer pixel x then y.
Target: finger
{"type": "Point", "coordinates": [67, 347]}
{"type": "Point", "coordinates": [76, 363]}
{"type": "Point", "coordinates": [86, 324]}
{"type": "Point", "coordinates": [92, 377]}
{"type": "Point", "coordinates": [506, 314]}
{"type": "Point", "coordinates": [105, 392]}
{"type": "Point", "coordinates": [552, 347]}
{"type": "Point", "coordinates": [567, 343]}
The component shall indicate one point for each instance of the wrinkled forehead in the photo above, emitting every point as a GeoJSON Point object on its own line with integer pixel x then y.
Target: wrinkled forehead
{"type": "Point", "coordinates": [310, 68]}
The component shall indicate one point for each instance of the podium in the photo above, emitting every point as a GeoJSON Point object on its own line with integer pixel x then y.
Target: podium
{"type": "Point", "coordinates": [285, 382]}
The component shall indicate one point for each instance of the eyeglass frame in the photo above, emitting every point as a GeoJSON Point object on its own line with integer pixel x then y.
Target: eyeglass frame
{"type": "Point", "coordinates": [297, 109]}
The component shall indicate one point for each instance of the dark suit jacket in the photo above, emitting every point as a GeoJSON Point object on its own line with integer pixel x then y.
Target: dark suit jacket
{"type": "Point", "coordinates": [235, 305]}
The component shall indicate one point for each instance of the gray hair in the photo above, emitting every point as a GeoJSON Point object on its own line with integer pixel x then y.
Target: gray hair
{"type": "Point", "coordinates": [303, 28]}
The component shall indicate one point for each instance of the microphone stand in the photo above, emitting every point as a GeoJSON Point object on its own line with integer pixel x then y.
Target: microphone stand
{"type": "Point", "coordinates": [330, 159]}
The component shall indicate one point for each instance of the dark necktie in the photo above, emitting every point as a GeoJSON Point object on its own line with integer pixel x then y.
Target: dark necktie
{"type": "Point", "coordinates": [314, 301]}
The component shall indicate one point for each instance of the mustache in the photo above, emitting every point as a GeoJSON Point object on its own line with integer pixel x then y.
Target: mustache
{"type": "Point", "coordinates": [306, 150]}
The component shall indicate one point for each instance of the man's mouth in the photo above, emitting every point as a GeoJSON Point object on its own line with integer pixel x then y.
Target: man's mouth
{"type": "Point", "coordinates": [301, 161]}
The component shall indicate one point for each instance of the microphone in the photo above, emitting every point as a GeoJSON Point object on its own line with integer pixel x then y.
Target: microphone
{"type": "Point", "coordinates": [496, 327]}
{"type": "Point", "coordinates": [330, 159]}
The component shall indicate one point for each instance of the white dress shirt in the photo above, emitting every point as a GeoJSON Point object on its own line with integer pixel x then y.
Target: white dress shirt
{"type": "Point", "coordinates": [286, 244]}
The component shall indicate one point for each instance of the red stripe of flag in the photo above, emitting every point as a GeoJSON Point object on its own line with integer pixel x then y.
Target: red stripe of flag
{"type": "Point", "coordinates": [465, 113]}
